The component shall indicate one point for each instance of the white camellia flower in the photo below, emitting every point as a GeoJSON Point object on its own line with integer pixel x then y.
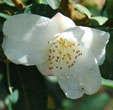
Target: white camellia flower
{"type": "Point", "coordinates": [57, 47]}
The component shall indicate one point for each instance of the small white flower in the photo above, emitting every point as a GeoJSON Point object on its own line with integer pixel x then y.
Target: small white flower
{"type": "Point", "coordinates": [57, 47]}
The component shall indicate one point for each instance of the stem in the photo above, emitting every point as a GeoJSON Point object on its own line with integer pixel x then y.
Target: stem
{"type": "Point", "coordinates": [107, 83]}
{"type": "Point", "coordinates": [8, 78]}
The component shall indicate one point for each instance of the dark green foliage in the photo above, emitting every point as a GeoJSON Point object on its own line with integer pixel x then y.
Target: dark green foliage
{"type": "Point", "coordinates": [31, 86]}
{"type": "Point", "coordinates": [107, 67]}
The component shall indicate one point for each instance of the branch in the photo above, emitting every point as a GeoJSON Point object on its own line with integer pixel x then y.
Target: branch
{"type": "Point", "coordinates": [71, 11]}
{"type": "Point", "coordinates": [19, 4]}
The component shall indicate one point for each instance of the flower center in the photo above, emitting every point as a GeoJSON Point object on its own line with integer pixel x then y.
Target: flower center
{"type": "Point", "coordinates": [63, 53]}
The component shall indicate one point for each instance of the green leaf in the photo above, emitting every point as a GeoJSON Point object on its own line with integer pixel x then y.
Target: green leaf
{"type": "Point", "coordinates": [12, 99]}
{"type": "Point", "coordinates": [107, 67]}
{"type": "Point", "coordinates": [28, 9]}
{"type": "Point", "coordinates": [83, 10]}
{"type": "Point", "coordinates": [54, 3]}
{"type": "Point", "coordinates": [3, 15]}
{"type": "Point", "coordinates": [31, 86]}
{"type": "Point", "coordinates": [14, 96]}
{"type": "Point", "coordinates": [95, 102]}
{"type": "Point", "coordinates": [107, 83]}
{"type": "Point", "coordinates": [8, 2]}
{"type": "Point", "coordinates": [97, 21]}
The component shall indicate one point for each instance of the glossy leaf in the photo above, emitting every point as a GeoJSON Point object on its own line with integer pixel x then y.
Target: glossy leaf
{"type": "Point", "coordinates": [83, 10]}
{"type": "Point", "coordinates": [28, 9]}
{"type": "Point", "coordinates": [98, 20]}
{"type": "Point", "coordinates": [14, 96]}
{"type": "Point", "coordinates": [5, 16]}
{"type": "Point", "coordinates": [8, 2]}
{"type": "Point", "coordinates": [54, 3]}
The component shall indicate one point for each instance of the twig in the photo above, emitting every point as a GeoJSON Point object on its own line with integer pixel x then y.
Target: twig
{"type": "Point", "coordinates": [8, 78]}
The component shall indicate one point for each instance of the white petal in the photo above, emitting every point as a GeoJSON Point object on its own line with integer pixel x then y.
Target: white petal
{"type": "Point", "coordinates": [87, 72]}
{"type": "Point", "coordinates": [74, 33]}
{"type": "Point", "coordinates": [26, 37]}
{"type": "Point", "coordinates": [68, 35]}
{"type": "Point", "coordinates": [63, 22]}
{"type": "Point", "coordinates": [71, 87]}
{"type": "Point", "coordinates": [84, 77]}
{"type": "Point", "coordinates": [92, 81]}
{"type": "Point", "coordinates": [44, 69]}
{"type": "Point", "coordinates": [96, 41]}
